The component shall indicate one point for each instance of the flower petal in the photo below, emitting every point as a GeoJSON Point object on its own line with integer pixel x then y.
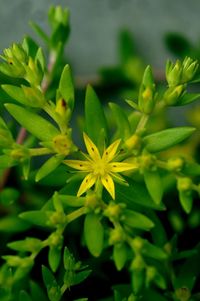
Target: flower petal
{"type": "Point", "coordinates": [110, 152]}
{"type": "Point", "coordinates": [121, 166]}
{"type": "Point", "coordinates": [79, 164]}
{"type": "Point", "coordinates": [91, 148]}
{"type": "Point", "coordinates": [108, 183]}
{"type": "Point", "coordinates": [87, 183]}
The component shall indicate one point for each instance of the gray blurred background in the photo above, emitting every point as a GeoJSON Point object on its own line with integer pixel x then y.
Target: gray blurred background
{"type": "Point", "coordinates": [96, 23]}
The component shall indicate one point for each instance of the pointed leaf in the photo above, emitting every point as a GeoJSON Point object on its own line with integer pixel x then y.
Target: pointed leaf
{"type": "Point", "coordinates": [167, 138]}
{"type": "Point", "coordinates": [154, 185]}
{"type": "Point", "coordinates": [123, 126]}
{"type": "Point", "coordinates": [94, 234]}
{"type": "Point", "coordinates": [53, 289]}
{"type": "Point", "coordinates": [120, 255]}
{"type": "Point", "coordinates": [16, 93]}
{"type": "Point", "coordinates": [24, 296]}
{"type": "Point", "coordinates": [186, 200]}
{"type": "Point", "coordinates": [95, 119]}
{"type": "Point", "coordinates": [137, 220]}
{"type": "Point", "coordinates": [54, 257]}
{"type": "Point", "coordinates": [37, 217]}
{"type": "Point", "coordinates": [66, 87]}
{"type": "Point", "coordinates": [35, 124]}
{"type": "Point", "coordinates": [188, 98]}
{"type": "Point", "coordinates": [50, 165]}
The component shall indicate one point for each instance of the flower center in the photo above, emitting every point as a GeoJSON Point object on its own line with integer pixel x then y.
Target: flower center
{"type": "Point", "coordinates": [100, 168]}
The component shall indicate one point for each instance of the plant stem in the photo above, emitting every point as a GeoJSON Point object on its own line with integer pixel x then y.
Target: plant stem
{"type": "Point", "coordinates": [75, 214]}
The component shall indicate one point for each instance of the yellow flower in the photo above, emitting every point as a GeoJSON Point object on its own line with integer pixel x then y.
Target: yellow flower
{"type": "Point", "coordinates": [100, 168]}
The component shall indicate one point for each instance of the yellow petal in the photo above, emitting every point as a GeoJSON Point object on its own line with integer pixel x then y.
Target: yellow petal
{"type": "Point", "coordinates": [108, 183]}
{"type": "Point", "coordinates": [110, 152]}
{"type": "Point", "coordinates": [87, 183]}
{"type": "Point", "coordinates": [78, 164]}
{"type": "Point", "coordinates": [91, 148]}
{"type": "Point", "coordinates": [121, 166]}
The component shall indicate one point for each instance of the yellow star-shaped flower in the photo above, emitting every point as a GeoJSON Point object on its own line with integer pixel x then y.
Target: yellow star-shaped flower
{"type": "Point", "coordinates": [100, 168]}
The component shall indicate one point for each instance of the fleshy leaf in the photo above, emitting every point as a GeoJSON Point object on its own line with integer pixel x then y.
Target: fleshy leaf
{"type": "Point", "coordinates": [66, 87]}
{"type": "Point", "coordinates": [123, 126]}
{"type": "Point", "coordinates": [167, 138]}
{"type": "Point", "coordinates": [50, 165]}
{"type": "Point", "coordinates": [137, 220]}
{"type": "Point", "coordinates": [95, 119]}
{"type": "Point", "coordinates": [94, 234]}
{"type": "Point", "coordinates": [154, 185]}
{"type": "Point", "coordinates": [35, 124]}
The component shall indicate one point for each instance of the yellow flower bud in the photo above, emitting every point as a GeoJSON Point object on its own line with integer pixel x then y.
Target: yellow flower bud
{"type": "Point", "coordinates": [133, 143]}
{"type": "Point", "coordinates": [175, 164]}
{"type": "Point", "coordinates": [62, 144]}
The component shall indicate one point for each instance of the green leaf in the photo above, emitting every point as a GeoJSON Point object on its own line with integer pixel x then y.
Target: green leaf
{"type": "Point", "coordinates": [126, 46]}
{"type": "Point", "coordinates": [16, 93]}
{"type": "Point", "coordinates": [120, 255]}
{"type": "Point", "coordinates": [81, 276]}
{"type": "Point", "coordinates": [184, 254]}
{"type": "Point", "coordinates": [94, 234]}
{"type": "Point", "coordinates": [178, 44]}
{"type": "Point", "coordinates": [187, 98]}
{"type": "Point", "coordinates": [50, 165]}
{"type": "Point", "coordinates": [53, 289]}
{"type": "Point", "coordinates": [6, 162]}
{"type": "Point", "coordinates": [191, 169]}
{"type": "Point", "coordinates": [9, 196]}
{"type": "Point", "coordinates": [137, 220]}
{"type": "Point", "coordinates": [40, 59]}
{"type": "Point", "coordinates": [29, 244]}
{"type": "Point", "coordinates": [153, 251]}
{"type": "Point", "coordinates": [167, 138]}
{"type": "Point", "coordinates": [154, 185]}
{"type": "Point", "coordinates": [66, 87]}
{"type": "Point", "coordinates": [24, 296]}
{"type": "Point", "coordinates": [186, 200]}
{"type": "Point", "coordinates": [35, 124]}
{"type": "Point", "coordinates": [12, 224]}
{"type": "Point", "coordinates": [136, 193]}
{"type": "Point", "coordinates": [123, 126]}
{"type": "Point", "coordinates": [37, 217]}
{"type": "Point", "coordinates": [30, 46]}
{"type": "Point", "coordinates": [40, 32]}
{"type": "Point", "coordinates": [95, 119]}
{"type": "Point", "coordinates": [71, 200]}
{"type": "Point", "coordinates": [137, 280]}
{"type": "Point", "coordinates": [54, 257]}
{"type": "Point", "coordinates": [68, 260]}
{"type": "Point", "coordinates": [189, 271]}
{"type": "Point", "coordinates": [36, 292]}
{"type": "Point", "coordinates": [152, 295]}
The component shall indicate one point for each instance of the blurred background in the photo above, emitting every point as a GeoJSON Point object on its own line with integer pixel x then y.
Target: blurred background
{"type": "Point", "coordinates": [95, 25]}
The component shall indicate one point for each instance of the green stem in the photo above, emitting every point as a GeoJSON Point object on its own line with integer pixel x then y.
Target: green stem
{"type": "Point", "coordinates": [39, 151]}
{"type": "Point", "coordinates": [75, 214]}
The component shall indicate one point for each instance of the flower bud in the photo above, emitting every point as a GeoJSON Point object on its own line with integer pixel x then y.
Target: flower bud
{"type": "Point", "coordinates": [172, 94]}
{"type": "Point", "coordinates": [62, 144]}
{"type": "Point", "coordinates": [175, 164]}
{"type": "Point", "coordinates": [146, 99]}
{"type": "Point", "coordinates": [190, 68]}
{"type": "Point", "coordinates": [117, 235]}
{"type": "Point", "coordinates": [173, 73]}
